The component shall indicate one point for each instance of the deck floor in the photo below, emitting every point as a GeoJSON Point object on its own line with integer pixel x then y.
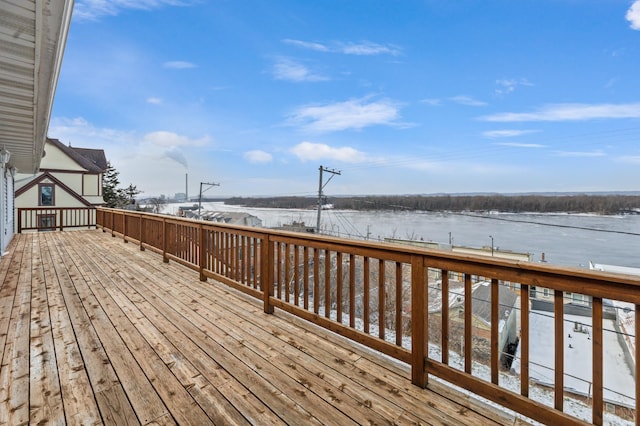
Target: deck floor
{"type": "Point", "coordinates": [95, 331]}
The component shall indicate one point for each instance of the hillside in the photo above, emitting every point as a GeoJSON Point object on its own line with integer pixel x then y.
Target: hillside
{"type": "Point", "coordinates": [581, 203]}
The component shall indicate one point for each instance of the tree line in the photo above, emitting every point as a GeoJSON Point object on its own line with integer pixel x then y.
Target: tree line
{"type": "Point", "coordinates": [536, 203]}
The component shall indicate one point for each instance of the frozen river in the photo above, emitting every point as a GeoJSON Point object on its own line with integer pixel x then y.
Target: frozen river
{"type": "Point", "coordinates": [565, 239]}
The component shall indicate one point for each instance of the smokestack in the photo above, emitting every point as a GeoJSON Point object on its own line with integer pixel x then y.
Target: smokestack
{"type": "Point", "coordinates": [186, 186]}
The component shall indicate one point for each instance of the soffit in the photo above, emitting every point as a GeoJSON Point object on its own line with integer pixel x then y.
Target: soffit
{"type": "Point", "coordinates": [33, 34]}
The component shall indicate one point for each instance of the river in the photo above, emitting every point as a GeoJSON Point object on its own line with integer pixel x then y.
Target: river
{"type": "Point", "coordinates": [565, 239]}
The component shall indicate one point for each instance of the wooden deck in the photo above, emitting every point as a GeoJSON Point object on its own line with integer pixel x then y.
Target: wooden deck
{"type": "Point", "coordinates": [95, 331]}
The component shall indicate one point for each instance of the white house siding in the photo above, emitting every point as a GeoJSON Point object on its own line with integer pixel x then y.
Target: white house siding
{"type": "Point", "coordinates": [54, 158]}
{"type": "Point", "coordinates": [72, 180]}
{"type": "Point", "coordinates": [29, 198]}
{"type": "Point", "coordinates": [91, 185]}
{"type": "Point", "coordinates": [6, 208]}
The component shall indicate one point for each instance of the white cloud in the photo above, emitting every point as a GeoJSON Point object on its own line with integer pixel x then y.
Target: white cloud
{"type": "Point", "coordinates": [307, 45]}
{"type": "Point", "coordinates": [521, 145]}
{"type": "Point", "coordinates": [431, 101]}
{"type": "Point", "coordinates": [352, 114]}
{"type": "Point", "coordinates": [596, 153]}
{"type": "Point", "coordinates": [507, 86]}
{"type": "Point", "coordinates": [569, 112]}
{"type": "Point", "coordinates": [179, 65]}
{"type": "Point", "coordinates": [258, 156]}
{"type": "Point", "coordinates": [289, 70]}
{"type": "Point", "coordinates": [363, 48]}
{"type": "Point", "coordinates": [154, 162]}
{"type": "Point", "coordinates": [506, 133]}
{"type": "Point", "coordinates": [154, 101]}
{"type": "Point", "coordinates": [169, 139]}
{"type": "Point", "coordinates": [367, 48]}
{"type": "Point", "coordinates": [95, 9]}
{"type": "Point", "coordinates": [633, 15]}
{"type": "Point", "coordinates": [309, 151]}
{"type": "Point", "coordinates": [467, 100]}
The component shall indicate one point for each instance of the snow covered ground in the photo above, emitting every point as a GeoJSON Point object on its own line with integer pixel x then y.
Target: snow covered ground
{"type": "Point", "coordinates": [619, 383]}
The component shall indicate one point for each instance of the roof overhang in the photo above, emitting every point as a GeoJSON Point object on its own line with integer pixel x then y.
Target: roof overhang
{"type": "Point", "coordinates": [33, 34]}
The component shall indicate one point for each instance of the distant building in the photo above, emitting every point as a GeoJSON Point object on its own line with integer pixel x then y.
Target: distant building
{"type": "Point", "coordinates": [230, 218]}
{"type": "Point", "coordinates": [297, 227]}
{"type": "Point", "coordinates": [614, 268]}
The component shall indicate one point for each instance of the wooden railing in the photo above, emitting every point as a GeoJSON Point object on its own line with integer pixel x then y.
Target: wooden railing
{"type": "Point", "coordinates": [386, 297]}
{"type": "Point", "coordinates": [55, 218]}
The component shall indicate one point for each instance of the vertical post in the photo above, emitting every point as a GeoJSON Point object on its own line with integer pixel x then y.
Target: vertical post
{"type": "Point", "coordinates": [165, 259]}
{"type": "Point", "coordinates": [597, 364]}
{"type": "Point", "coordinates": [339, 283]}
{"type": "Point", "coordinates": [468, 323]}
{"type": "Point", "coordinates": [366, 293]}
{"type": "Point", "coordinates": [524, 340]}
{"type": "Point", "coordinates": [327, 284]}
{"type": "Point", "coordinates": [445, 317]}
{"type": "Point", "coordinates": [266, 274]}
{"type": "Point", "coordinates": [124, 227]}
{"type": "Point", "coordinates": [558, 317]}
{"type": "Point", "coordinates": [319, 201]}
{"type": "Point", "coordinates": [495, 335]}
{"type": "Point", "coordinates": [381, 299]}
{"type": "Point", "coordinates": [200, 200]}
{"type": "Point", "coordinates": [418, 330]}
{"type": "Point", "coordinates": [141, 232]}
{"type": "Point", "coordinates": [399, 304]}
{"type": "Point", "coordinates": [202, 253]}
{"type": "Point", "coordinates": [320, 188]}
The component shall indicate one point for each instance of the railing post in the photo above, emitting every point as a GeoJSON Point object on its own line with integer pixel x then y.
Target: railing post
{"type": "Point", "coordinates": [202, 255]}
{"type": "Point", "coordinates": [558, 319]}
{"type": "Point", "coordinates": [141, 224]}
{"type": "Point", "coordinates": [597, 363]}
{"type": "Point", "coordinates": [165, 259]}
{"type": "Point", "coordinates": [19, 221]}
{"type": "Point", "coordinates": [266, 272]}
{"type": "Point", "coordinates": [124, 227]}
{"type": "Point", "coordinates": [60, 215]}
{"type": "Point", "coordinates": [418, 323]}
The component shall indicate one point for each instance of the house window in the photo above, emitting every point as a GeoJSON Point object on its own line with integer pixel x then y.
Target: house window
{"type": "Point", "coordinates": [46, 195]}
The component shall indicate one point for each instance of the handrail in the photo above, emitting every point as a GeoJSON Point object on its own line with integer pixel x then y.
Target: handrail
{"type": "Point", "coordinates": [385, 297]}
{"type": "Point", "coordinates": [55, 218]}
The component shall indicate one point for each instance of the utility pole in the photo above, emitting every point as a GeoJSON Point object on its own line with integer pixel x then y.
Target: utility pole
{"type": "Point", "coordinates": [491, 236]}
{"type": "Point", "coordinates": [201, 191]}
{"type": "Point", "coordinates": [320, 188]}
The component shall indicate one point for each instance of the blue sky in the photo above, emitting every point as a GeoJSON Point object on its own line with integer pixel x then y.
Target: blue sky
{"type": "Point", "coordinates": [401, 96]}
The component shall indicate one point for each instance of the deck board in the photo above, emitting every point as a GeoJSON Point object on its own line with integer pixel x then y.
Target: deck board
{"type": "Point", "coordinates": [93, 330]}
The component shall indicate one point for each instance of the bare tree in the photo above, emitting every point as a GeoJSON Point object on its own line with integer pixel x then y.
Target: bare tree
{"type": "Point", "coordinates": [157, 204]}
